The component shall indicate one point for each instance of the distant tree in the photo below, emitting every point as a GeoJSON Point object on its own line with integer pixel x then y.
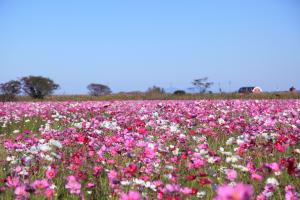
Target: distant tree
{"type": "Point", "coordinates": [96, 89]}
{"type": "Point", "coordinates": [179, 92]}
{"type": "Point", "coordinates": [10, 90]}
{"type": "Point", "coordinates": [292, 89]}
{"type": "Point", "coordinates": [38, 87]}
{"type": "Point", "coordinates": [202, 84]}
{"type": "Point", "coordinates": [156, 89]}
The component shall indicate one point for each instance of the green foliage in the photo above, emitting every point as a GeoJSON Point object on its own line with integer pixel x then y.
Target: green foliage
{"type": "Point", "coordinates": [38, 87]}
{"type": "Point", "coordinates": [96, 89]}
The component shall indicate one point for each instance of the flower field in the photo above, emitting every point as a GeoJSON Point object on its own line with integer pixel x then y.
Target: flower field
{"type": "Point", "coordinates": [131, 150]}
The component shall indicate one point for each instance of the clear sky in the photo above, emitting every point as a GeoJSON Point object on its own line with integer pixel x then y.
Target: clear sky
{"type": "Point", "coordinates": [132, 45]}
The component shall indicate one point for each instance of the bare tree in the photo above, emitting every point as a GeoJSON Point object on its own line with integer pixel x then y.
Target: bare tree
{"type": "Point", "coordinates": [9, 90]}
{"type": "Point", "coordinates": [202, 84]}
{"type": "Point", "coordinates": [96, 89]}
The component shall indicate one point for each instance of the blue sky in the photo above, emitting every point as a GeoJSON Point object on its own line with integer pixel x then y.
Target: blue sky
{"type": "Point", "coordinates": [132, 45]}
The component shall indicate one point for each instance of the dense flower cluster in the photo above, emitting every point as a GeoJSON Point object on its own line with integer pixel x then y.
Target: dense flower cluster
{"type": "Point", "coordinates": [132, 150]}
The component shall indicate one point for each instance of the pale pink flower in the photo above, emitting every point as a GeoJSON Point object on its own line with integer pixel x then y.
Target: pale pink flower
{"type": "Point", "coordinates": [257, 177]}
{"type": "Point", "coordinates": [112, 175]}
{"type": "Point", "coordinates": [40, 184]}
{"type": "Point", "coordinates": [291, 193]}
{"type": "Point", "coordinates": [186, 190]}
{"type": "Point", "coordinates": [149, 152]}
{"type": "Point", "coordinates": [132, 195]}
{"type": "Point", "coordinates": [237, 192]}
{"type": "Point", "coordinates": [12, 181]}
{"type": "Point", "coordinates": [49, 193]}
{"type": "Point", "coordinates": [231, 174]}
{"type": "Point", "coordinates": [21, 190]}
{"type": "Point", "coordinates": [274, 166]}
{"type": "Point", "coordinates": [73, 185]}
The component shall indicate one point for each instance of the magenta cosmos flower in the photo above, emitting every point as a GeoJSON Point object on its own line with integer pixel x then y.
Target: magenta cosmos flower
{"type": "Point", "coordinates": [237, 192]}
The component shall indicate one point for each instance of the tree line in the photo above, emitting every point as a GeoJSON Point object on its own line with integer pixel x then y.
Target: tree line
{"type": "Point", "coordinates": [38, 87]}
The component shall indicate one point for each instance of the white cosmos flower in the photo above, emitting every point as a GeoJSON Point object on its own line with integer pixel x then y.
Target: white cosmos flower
{"type": "Point", "coordinates": [269, 194]}
{"type": "Point", "coordinates": [33, 150]}
{"type": "Point", "coordinates": [174, 128]}
{"type": "Point", "coordinates": [277, 173]}
{"type": "Point", "coordinates": [233, 159]}
{"type": "Point", "coordinates": [155, 114]}
{"type": "Point", "coordinates": [10, 158]}
{"type": "Point", "coordinates": [169, 167]}
{"type": "Point", "coordinates": [297, 151]}
{"type": "Point", "coordinates": [211, 160]}
{"type": "Point", "coordinates": [203, 151]}
{"type": "Point", "coordinates": [49, 158]}
{"type": "Point", "coordinates": [126, 182]}
{"type": "Point", "coordinates": [55, 143]}
{"type": "Point", "coordinates": [221, 121]}
{"type": "Point", "coordinates": [240, 167]}
{"type": "Point", "coordinates": [240, 141]}
{"type": "Point", "coordinates": [272, 181]}
{"type": "Point", "coordinates": [176, 152]}
{"type": "Point", "coordinates": [201, 194]}
{"type": "Point", "coordinates": [230, 141]}
{"type": "Point", "coordinates": [44, 147]}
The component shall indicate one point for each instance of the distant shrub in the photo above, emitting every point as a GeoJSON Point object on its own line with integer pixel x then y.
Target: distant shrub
{"type": "Point", "coordinates": [156, 90]}
{"type": "Point", "coordinates": [179, 92]}
{"type": "Point", "coordinates": [9, 90]}
{"type": "Point", "coordinates": [38, 87]}
{"type": "Point", "coordinates": [96, 89]}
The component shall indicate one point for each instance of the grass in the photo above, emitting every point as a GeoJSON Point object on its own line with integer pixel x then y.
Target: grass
{"type": "Point", "coordinates": [164, 96]}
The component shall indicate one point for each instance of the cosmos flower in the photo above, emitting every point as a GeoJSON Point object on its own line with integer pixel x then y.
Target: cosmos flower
{"type": "Point", "coordinates": [237, 192]}
{"type": "Point", "coordinates": [231, 174]}
{"type": "Point", "coordinates": [40, 184]}
{"type": "Point", "coordinates": [132, 195]}
{"type": "Point", "coordinates": [73, 185]}
{"type": "Point", "coordinates": [50, 173]}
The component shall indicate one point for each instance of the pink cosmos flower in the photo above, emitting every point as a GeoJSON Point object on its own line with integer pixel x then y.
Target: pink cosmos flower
{"type": "Point", "coordinates": [112, 175]}
{"type": "Point", "coordinates": [149, 152]}
{"type": "Point", "coordinates": [90, 185]}
{"type": "Point", "coordinates": [132, 195]}
{"type": "Point", "coordinates": [40, 184]}
{"type": "Point", "coordinates": [49, 193]}
{"type": "Point", "coordinates": [12, 181]}
{"type": "Point", "coordinates": [186, 190]}
{"type": "Point", "coordinates": [274, 166]}
{"type": "Point", "coordinates": [257, 177]}
{"type": "Point", "coordinates": [237, 192]}
{"type": "Point", "coordinates": [231, 174]}
{"type": "Point", "coordinates": [73, 185]}
{"type": "Point", "coordinates": [50, 173]}
{"type": "Point", "coordinates": [290, 193]}
{"type": "Point", "coordinates": [21, 190]}
{"type": "Point", "coordinates": [97, 170]}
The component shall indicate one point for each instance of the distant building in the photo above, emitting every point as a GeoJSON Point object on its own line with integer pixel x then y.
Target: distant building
{"type": "Point", "coordinates": [250, 90]}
